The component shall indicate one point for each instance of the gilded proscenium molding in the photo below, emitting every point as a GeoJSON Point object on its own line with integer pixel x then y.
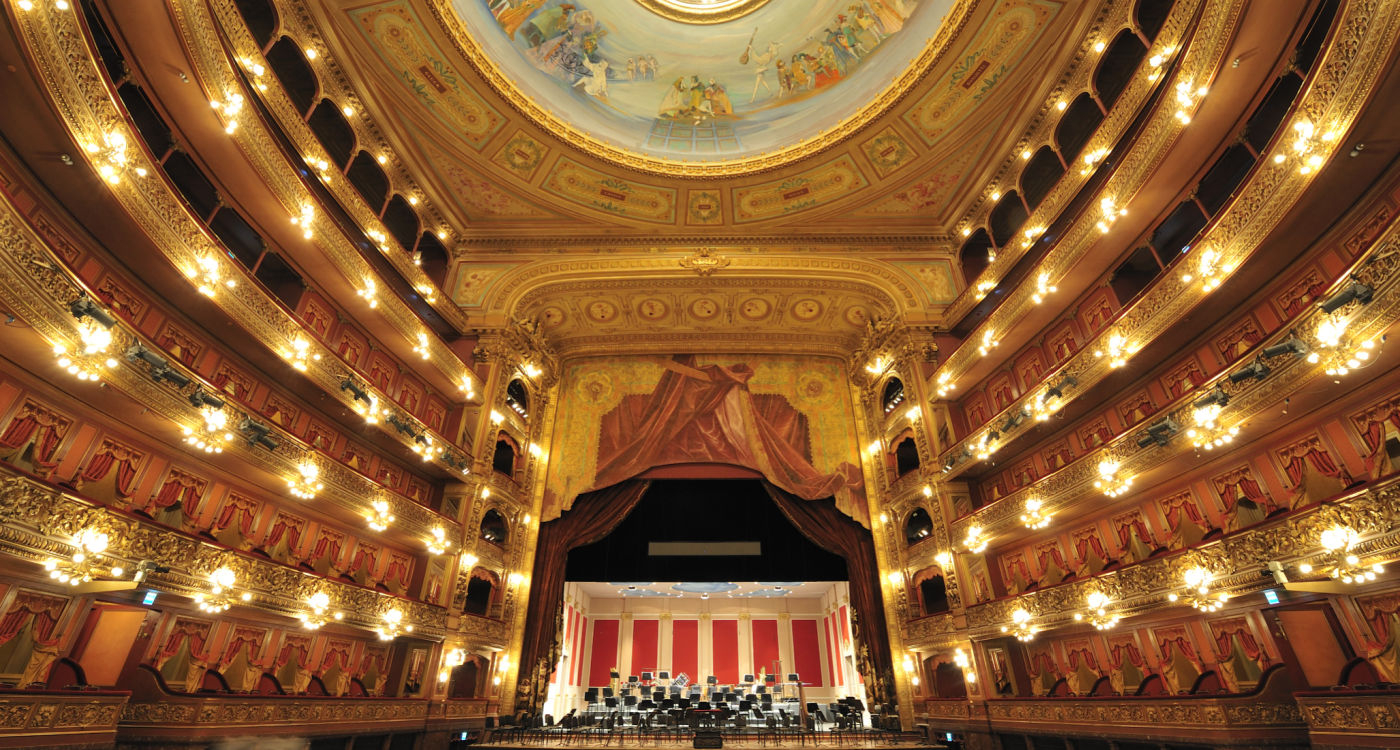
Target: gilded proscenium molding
{"type": "Point", "coordinates": [1379, 267]}
{"type": "Point", "coordinates": [82, 718]}
{"type": "Point", "coordinates": [200, 24]}
{"type": "Point", "coordinates": [1237, 560]}
{"type": "Point", "coordinates": [1144, 157]}
{"type": "Point", "coordinates": [1338, 720]}
{"type": "Point", "coordinates": [1159, 134]}
{"type": "Point", "coordinates": [500, 83]}
{"type": "Point", "coordinates": [1334, 97]}
{"type": "Point", "coordinates": [521, 287]}
{"type": "Point", "coordinates": [36, 520]}
{"type": "Point", "coordinates": [84, 100]}
{"type": "Point", "coordinates": [37, 289]}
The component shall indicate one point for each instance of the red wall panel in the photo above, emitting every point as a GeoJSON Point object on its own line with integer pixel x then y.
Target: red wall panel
{"type": "Point", "coordinates": [806, 652]}
{"type": "Point", "coordinates": [645, 634]}
{"type": "Point", "coordinates": [725, 639]}
{"type": "Point", "coordinates": [685, 648]}
{"type": "Point", "coordinates": [765, 646]}
{"type": "Point", "coordinates": [604, 654]}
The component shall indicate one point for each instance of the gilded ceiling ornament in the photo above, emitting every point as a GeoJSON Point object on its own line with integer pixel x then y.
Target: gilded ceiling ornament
{"type": "Point", "coordinates": [702, 11]}
{"type": "Point", "coordinates": [704, 262]}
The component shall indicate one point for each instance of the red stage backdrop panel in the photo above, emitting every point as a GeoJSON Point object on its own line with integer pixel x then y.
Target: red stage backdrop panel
{"type": "Point", "coordinates": [806, 653]}
{"type": "Point", "coordinates": [724, 636]}
{"type": "Point", "coordinates": [644, 640]}
{"type": "Point", "coordinates": [765, 646]}
{"type": "Point", "coordinates": [604, 654]}
{"type": "Point", "coordinates": [685, 645]}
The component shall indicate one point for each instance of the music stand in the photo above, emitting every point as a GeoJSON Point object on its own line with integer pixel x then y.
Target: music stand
{"type": "Point", "coordinates": [663, 675]}
{"type": "Point", "coordinates": [631, 678]}
{"type": "Point", "coordinates": [748, 678]}
{"type": "Point", "coordinates": [792, 677]}
{"type": "Point", "coordinates": [770, 679]}
{"type": "Point", "coordinates": [607, 692]}
{"type": "Point", "coordinates": [646, 677]}
{"type": "Point", "coordinates": [711, 680]}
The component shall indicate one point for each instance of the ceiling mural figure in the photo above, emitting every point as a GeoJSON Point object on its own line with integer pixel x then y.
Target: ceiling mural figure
{"type": "Point", "coordinates": [700, 91]}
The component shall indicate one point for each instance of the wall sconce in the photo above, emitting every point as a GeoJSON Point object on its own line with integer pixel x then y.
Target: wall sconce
{"type": "Point", "coordinates": [895, 578]}
{"type": "Point", "coordinates": [1158, 60]}
{"type": "Point", "coordinates": [1187, 99]}
{"type": "Point", "coordinates": [228, 110]}
{"type": "Point", "coordinates": [307, 481]}
{"type": "Point", "coordinates": [988, 343]}
{"type": "Point", "coordinates": [207, 275]}
{"type": "Point", "coordinates": [300, 354]}
{"type": "Point", "coordinates": [306, 221]}
{"type": "Point", "coordinates": [469, 561]}
{"type": "Point", "coordinates": [1034, 519]}
{"type": "Point", "coordinates": [221, 593]}
{"type": "Point", "coordinates": [928, 491]}
{"type": "Point", "coordinates": [1043, 287]}
{"type": "Point", "coordinates": [1209, 269]}
{"type": "Point", "coordinates": [256, 70]}
{"type": "Point", "coordinates": [318, 612]}
{"type": "Point", "coordinates": [86, 560]}
{"type": "Point", "coordinates": [110, 157]}
{"type": "Point", "coordinates": [1117, 350]}
{"type": "Point", "coordinates": [944, 560]}
{"type": "Point", "coordinates": [392, 626]}
{"type": "Point", "coordinates": [945, 384]}
{"type": "Point", "coordinates": [379, 518]}
{"type": "Point", "coordinates": [468, 391]}
{"type": "Point", "coordinates": [1343, 564]}
{"type": "Point", "coordinates": [1109, 482]}
{"type": "Point", "coordinates": [368, 292]}
{"type": "Point", "coordinates": [91, 358]}
{"type": "Point", "coordinates": [1092, 160]}
{"type": "Point", "coordinates": [974, 542]}
{"type": "Point", "coordinates": [1335, 351]}
{"type": "Point", "coordinates": [497, 418]}
{"type": "Point", "coordinates": [1098, 614]}
{"type": "Point", "coordinates": [438, 543]}
{"type": "Point", "coordinates": [1020, 626]}
{"type": "Point", "coordinates": [515, 579]}
{"type": "Point", "coordinates": [1307, 147]}
{"type": "Point", "coordinates": [1197, 592]}
{"type": "Point", "coordinates": [963, 662]}
{"type": "Point", "coordinates": [1111, 212]}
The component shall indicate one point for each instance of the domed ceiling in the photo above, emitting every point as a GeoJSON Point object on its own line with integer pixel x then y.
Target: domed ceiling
{"type": "Point", "coordinates": [697, 81]}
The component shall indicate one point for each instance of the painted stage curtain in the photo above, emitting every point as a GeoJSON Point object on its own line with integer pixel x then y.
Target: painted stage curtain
{"type": "Point", "coordinates": [706, 414]}
{"type": "Point", "coordinates": [593, 516]}
{"type": "Point", "coordinates": [834, 531]}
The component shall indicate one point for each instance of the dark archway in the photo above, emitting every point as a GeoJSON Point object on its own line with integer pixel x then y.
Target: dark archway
{"type": "Point", "coordinates": [918, 526]}
{"type": "Point", "coordinates": [493, 528]}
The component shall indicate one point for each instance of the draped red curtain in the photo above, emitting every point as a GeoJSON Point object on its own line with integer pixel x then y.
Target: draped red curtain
{"type": "Point", "coordinates": [593, 516]}
{"type": "Point", "coordinates": [19, 431]}
{"type": "Point", "coordinates": [98, 467]}
{"type": "Point", "coordinates": [1247, 642]}
{"type": "Point", "coordinates": [1178, 507]}
{"type": "Point", "coordinates": [1128, 651]}
{"type": "Point", "coordinates": [196, 632]}
{"type": "Point", "coordinates": [1041, 662]}
{"type": "Point", "coordinates": [398, 569]}
{"type": "Point", "coordinates": [1136, 525]}
{"type": "Point", "coordinates": [1167, 644]}
{"type": "Point", "coordinates": [245, 516]}
{"type": "Point", "coordinates": [284, 526]}
{"type": "Point", "coordinates": [242, 638]}
{"type": "Point", "coordinates": [1244, 488]}
{"type": "Point", "coordinates": [705, 413]}
{"type": "Point", "coordinates": [1051, 553]}
{"type": "Point", "coordinates": [108, 454]}
{"type": "Point", "coordinates": [291, 650]}
{"type": "Point", "coordinates": [1086, 655]}
{"type": "Point", "coordinates": [1319, 460]}
{"type": "Point", "coordinates": [175, 491]}
{"type": "Point", "coordinates": [827, 527]}
{"type": "Point", "coordinates": [1084, 543]}
{"type": "Point", "coordinates": [324, 542]}
{"type": "Point", "coordinates": [43, 609]}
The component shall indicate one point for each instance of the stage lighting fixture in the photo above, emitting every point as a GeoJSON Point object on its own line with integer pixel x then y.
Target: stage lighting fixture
{"type": "Point", "coordinates": [1290, 345]}
{"type": "Point", "coordinates": [84, 306]}
{"type": "Point", "coordinates": [1353, 292]}
{"type": "Point", "coordinates": [1159, 432]}
{"type": "Point", "coordinates": [258, 434]}
{"type": "Point", "coordinates": [201, 398]}
{"type": "Point", "coordinates": [1257, 370]}
{"type": "Point", "coordinates": [401, 425]}
{"type": "Point", "coordinates": [1216, 395]}
{"type": "Point", "coordinates": [360, 394]}
{"type": "Point", "coordinates": [140, 352]}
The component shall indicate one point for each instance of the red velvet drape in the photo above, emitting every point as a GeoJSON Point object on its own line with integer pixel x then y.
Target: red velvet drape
{"type": "Point", "coordinates": [706, 414]}
{"type": "Point", "coordinates": [1118, 653]}
{"type": "Point", "coordinates": [593, 516]}
{"type": "Point", "coordinates": [1184, 505]}
{"type": "Point", "coordinates": [43, 609]}
{"type": "Point", "coordinates": [1247, 642]}
{"type": "Point", "coordinates": [837, 533]}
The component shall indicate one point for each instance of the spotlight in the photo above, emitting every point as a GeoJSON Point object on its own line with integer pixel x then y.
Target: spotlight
{"type": "Point", "coordinates": [948, 465]}
{"type": "Point", "coordinates": [1013, 421]}
{"type": "Point", "coordinates": [1159, 432]}
{"type": "Point", "coordinates": [1257, 370]}
{"type": "Point", "coordinates": [258, 434]}
{"type": "Point", "coordinates": [140, 352]}
{"type": "Point", "coordinates": [1290, 345]}
{"type": "Point", "coordinates": [1353, 292]}
{"type": "Point", "coordinates": [170, 375]}
{"type": "Point", "coordinates": [359, 393]}
{"type": "Point", "coordinates": [84, 306]}
{"type": "Point", "coordinates": [1217, 396]}
{"type": "Point", "coordinates": [201, 398]}
{"type": "Point", "coordinates": [399, 424]}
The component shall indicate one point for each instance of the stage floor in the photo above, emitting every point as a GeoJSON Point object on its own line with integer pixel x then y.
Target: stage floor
{"type": "Point", "coordinates": [855, 742]}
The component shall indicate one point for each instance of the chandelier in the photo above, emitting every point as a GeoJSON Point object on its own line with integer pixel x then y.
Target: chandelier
{"type": "Point", "coordinates": [437, 543]}
{"type": "Point", "coordinates": [1335, 351]}
{"type": "Point", "coordinates": [1197, 592]}
{"type": "Point", "coordinates": [1342, 563]}
{"type": "Point", "coordinates": [392, 625]}
{"type": "Point", "coordinates": [318, 612]}
{"type": "Point", "coordinates": [1117, 350]}
{"type": "Point", "coordinates": [1034, 518]}
{"type": "Point", "coordinates": [975, 542]}
{"type": "Point", "coordinates": [211, 435]}
{"type": "Point", "coordinates": [379, 518]}
{"type": "Point", "coordinates": [90, 359]}
{"type": "Point", "coordinates": [307, 481]}
{"type": "Point", "coordinates": [1020, 626]}
{"type": "Point", "coordinates": [1208, 432]}
{"type": "Point", "coordinates": [963, 662]}
{"type": "Point", "coordinates": [85, 562]}
{"type": "Point", "coordinates": [221, 593]}
{"type": "Point", "coordinates": [1109, 482]}
{"type": "Point", "coordinates": [111, 158]}
{"type": "Point", "coordinates": [207, 276]}
{"type": "Point", "coordinates": [1097, 613]}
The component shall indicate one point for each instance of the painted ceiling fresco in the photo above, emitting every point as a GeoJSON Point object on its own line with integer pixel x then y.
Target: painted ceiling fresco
{"type": "Point", "coordinates": [779, 75]}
